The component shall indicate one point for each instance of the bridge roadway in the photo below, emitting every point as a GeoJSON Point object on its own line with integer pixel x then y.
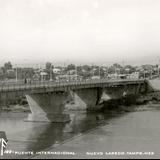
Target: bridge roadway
{"type": "Point", "coordinates": [58, 86]}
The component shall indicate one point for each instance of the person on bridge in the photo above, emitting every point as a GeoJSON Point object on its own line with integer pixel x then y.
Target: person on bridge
{"type": "Point", "coordinates": [25, 81]}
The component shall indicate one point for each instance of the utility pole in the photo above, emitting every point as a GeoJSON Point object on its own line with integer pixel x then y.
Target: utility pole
{"type": "Point", "coordinates": [158, 67]}
{"type": "Point", "coordinates": [106, 72]}
{"type": "Point", "coordinates": [99, 72]}
{"type": "Point", "coordinates": [51, 73]}
{"type": "Point", "coordinates": [16, 74]}
{"type": "Point", "coordinates": [76, 72]}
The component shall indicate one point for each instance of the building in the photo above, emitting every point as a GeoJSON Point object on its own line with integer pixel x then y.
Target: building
{"type": "Point", "coordinates": [68, 78]}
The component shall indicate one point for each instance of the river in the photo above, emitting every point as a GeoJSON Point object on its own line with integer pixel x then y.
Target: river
{"type": "Point", "coordinates": [131, 131]}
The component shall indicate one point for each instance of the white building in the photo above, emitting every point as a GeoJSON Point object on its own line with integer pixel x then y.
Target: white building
{"type": "Point", "coordinates": [57, 70]}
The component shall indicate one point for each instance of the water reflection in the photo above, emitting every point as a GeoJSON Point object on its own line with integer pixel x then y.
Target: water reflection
{"type": "Point", "coordinates": [31, 136]}
{"type": "Point", "coordinates": [54, 133]}
{"type": "Point", "coordinates": [45, 136]}
{"type": "Point", "coordinates": [118, 131]}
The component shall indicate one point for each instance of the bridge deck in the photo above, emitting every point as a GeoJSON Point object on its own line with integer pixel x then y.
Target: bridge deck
{"type": "Point", "coordinates": [73, 84]}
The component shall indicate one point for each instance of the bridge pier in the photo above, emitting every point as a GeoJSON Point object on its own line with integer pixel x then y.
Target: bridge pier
{"type": "Point", "coordinates": [48, 107]}
{"type": "Point", "coordinates": [90, 97]}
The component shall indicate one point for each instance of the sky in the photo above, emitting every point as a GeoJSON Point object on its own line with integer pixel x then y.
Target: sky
{"type": "Point", "coordinates": [80, 31]}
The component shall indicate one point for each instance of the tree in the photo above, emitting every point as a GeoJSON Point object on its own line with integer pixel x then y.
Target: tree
{"type": "Point", "coordinates": [116, 65]}
{"type": "Point", "coordinates": [2, 72]}
{"type": "Point", "coordinates": [48, 66]}
{"type": "Point", "coordinates": [7, 66]}
{"type": "Point", "coordinates": [25, 73]}
{"type": "Point", "coordinates": [86, 68]}
{"type": "Point", "coordinates": [71, 67]}
{"type": "Point", "coordinates": [129, 69]}
{"type": "Point", "coordinates": [111, 70]}
{"type": "Point", "coordinates": [115, 68]}
{"type": "Point", "coordinates": [49, 70]}
{"type": "Point", "coordinates": [147, 67]}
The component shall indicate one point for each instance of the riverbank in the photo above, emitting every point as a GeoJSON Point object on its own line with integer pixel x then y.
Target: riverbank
{"type": "Point", "coordinates": [16, 108]}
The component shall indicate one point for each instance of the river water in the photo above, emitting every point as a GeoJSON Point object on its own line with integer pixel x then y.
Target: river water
{"type": "Point", "coordinates": [132, 130]}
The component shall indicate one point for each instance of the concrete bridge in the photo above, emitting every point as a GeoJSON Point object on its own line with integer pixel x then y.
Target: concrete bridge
{"type": "Point", "coordinates": [47, 100]}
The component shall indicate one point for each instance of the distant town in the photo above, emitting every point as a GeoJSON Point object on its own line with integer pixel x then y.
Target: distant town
{"type": "Point", "coordinates": [72, 72]}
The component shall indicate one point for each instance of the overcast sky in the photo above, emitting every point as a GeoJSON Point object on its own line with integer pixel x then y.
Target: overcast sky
{"type": "Point", "coordinates": [83, 31]}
